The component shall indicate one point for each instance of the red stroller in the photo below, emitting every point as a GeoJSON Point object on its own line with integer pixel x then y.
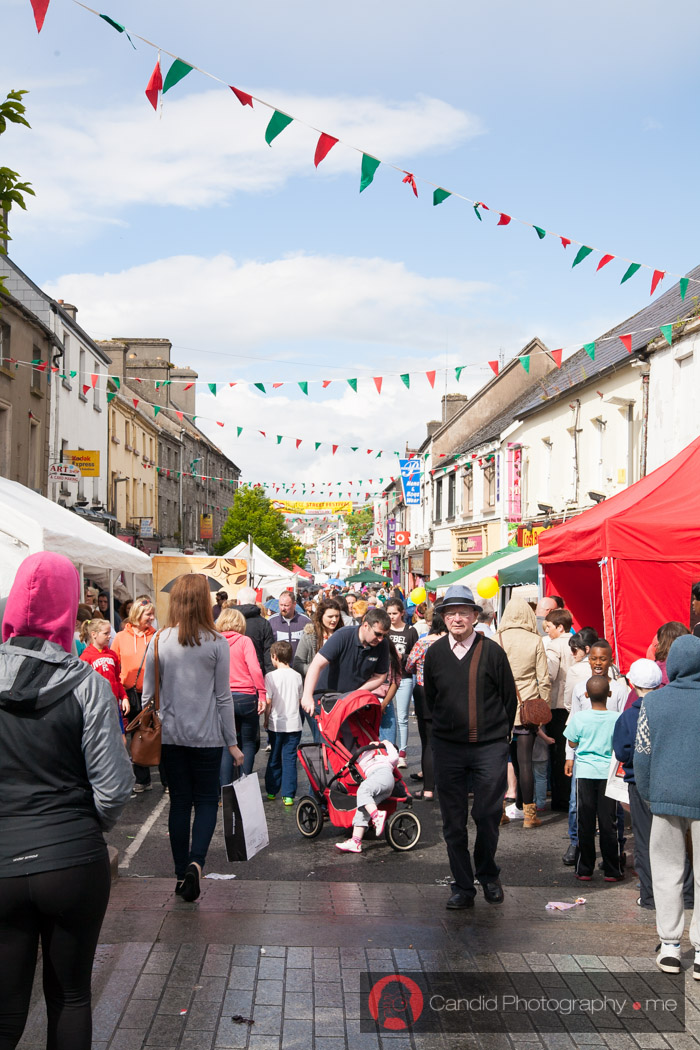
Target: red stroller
{"type": "Point", "coordinates": [347, 724]}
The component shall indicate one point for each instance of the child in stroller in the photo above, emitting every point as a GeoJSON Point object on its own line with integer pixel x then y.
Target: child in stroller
{"type": "Point", "coordinates": [377, 761]}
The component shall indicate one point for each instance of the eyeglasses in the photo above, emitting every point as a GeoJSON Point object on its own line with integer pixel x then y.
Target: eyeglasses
{"type": "Point", "coordinates": [375, 632]}
{"type": "Point", "coordinates": [457, 612]}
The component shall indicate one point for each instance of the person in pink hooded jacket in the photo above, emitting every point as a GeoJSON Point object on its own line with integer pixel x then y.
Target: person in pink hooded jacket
{"type": "Point", "coordinates": [247, 688]}
{"type": "Point", "coordinates": [65, 777]}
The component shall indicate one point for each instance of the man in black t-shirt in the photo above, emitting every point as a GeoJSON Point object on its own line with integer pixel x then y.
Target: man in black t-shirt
{"type": "Point", "coordinates": [404, 638]}
{"type": "Point", "coordinates": [352, 658]}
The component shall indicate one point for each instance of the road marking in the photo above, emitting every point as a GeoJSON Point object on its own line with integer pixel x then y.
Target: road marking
{"type": "Point", "coordinates": [135, 846]}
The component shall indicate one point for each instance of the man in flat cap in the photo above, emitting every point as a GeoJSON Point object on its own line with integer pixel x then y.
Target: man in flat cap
{"type": "Point", "coordinates": [470, 692]}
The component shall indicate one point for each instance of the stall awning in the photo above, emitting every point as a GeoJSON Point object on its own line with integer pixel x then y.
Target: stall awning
{"type": "Point", "coordinates": [478, 567]}
{"type": "Point", "coordinates": [521, 572]}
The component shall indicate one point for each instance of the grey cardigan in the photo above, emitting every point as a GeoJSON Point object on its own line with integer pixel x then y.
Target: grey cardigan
{"type": "Point", "coordinates": [196, 707]}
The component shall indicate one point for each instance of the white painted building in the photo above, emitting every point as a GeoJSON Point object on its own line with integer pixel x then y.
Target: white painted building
{"type": "Point", "coordinates": [674, 382]}
{"type": "Point", "coordinates": [79, 418]}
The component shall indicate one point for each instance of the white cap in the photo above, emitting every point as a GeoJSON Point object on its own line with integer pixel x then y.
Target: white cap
{"type": "Point", "coordinates": [645, 673]}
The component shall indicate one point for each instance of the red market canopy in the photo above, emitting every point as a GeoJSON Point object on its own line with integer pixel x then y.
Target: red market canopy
{"type": "Point", "coordinates": [627, 565]}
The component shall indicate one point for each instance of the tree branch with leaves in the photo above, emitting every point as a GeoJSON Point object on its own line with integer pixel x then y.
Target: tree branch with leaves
{"type": "Point", "coordinates": [12, 189]}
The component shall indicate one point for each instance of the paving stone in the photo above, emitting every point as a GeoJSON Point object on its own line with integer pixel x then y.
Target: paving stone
{"type": "Point", "coordinates": [274, 950]}
{"type": "Point", "coordinates": [329, 1020]}
{"type": "Point", "coordinates": [299, 957]}
{"type": "Point", "coordinates": [139, 1013]}
{"type": "Point", "coordinates": [246, 955]}
{"type": "Point", "coordinates": [298, 1006]}
{"type": "Point", "coordinates": [268, 1020]}
{"type": "Point", "coordinates": [328, 994]}
{"type": "Point", "coordinates": [297, 1035]}
{"type": "Point", "coordinates": [326, 968]}
{"type": "Point", "coordinates": [160, 960]}
{"type": "Point", "coordinates": [242, 977]}
{"type": "Point", "coordinates": [203, 1014]}
{"type": "Point", "coordinates": [270, 993]}
{"type": "Point", "coordinates": [150, 986]}
{"type": "Point", "coordinates": [210, 989]}
{"type": "Point", "coordinates": [264, 1042]}
{"type": "Point", "coordinates": [271, 969]}
{"type": "Point", "coordinates": [165, 1031]}
{"type": "Point", "coordinates": [299, 981]}
{"type": "Point", "coordinates": [238, 1002]}
{"type": "Point", "coordinates": [196, 1039]}
{"type": "Point", "coordinates": [230, 1034]}
{"type": "Point", "coordinates": [128, 1039]}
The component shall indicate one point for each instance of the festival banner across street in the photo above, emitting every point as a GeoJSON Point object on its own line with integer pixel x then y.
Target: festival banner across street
{"type": "Point", "coordinates": [332, 507]}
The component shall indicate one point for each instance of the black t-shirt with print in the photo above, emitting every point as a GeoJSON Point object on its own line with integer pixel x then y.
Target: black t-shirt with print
{"type": "Point", "coordinates": [404, 640]}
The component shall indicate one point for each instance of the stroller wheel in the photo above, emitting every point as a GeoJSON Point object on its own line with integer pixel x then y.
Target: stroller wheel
{"type": "Point", "coordinates": [309, 817]}
{"type": "Point", "coordinates": [402, 830]}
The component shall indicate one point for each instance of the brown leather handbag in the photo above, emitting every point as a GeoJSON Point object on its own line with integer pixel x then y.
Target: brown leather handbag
{"type": "Point", "coordinates": [146, 727]}
{"type": "Point", "coordinates": [533, 712]}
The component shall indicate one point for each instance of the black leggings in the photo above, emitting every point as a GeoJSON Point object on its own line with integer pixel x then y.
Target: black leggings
{"type": "Point", "coordinates": [425, 730]}
{"type": "Point", "coordinates": [65, 910]}
{"type": "Point", "coordinates": [521, 757]}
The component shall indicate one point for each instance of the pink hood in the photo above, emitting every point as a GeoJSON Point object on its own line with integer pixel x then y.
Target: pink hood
{"type": "Point", "coordinates": [43, 602]}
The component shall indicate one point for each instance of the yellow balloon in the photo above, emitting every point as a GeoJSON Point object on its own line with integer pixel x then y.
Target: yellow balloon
{"type": "Point", "coordinates": [488, 587]}
{"type": "Point", "coordinates": [417, 595]}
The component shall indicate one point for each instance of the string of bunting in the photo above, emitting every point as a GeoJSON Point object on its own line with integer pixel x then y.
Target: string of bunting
{"type": "Point", "coordinates": [158, 86]}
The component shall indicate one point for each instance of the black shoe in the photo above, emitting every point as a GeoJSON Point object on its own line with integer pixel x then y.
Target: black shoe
{"type": "Point", "coordinates": [416, 776]}
{"type": "Point", "coordinates": [493, 891]}
{"type": "Point", "coordinates": [190, 884]}
{"type": "Point", "coordinates": [460, 900]}
{"type": "Point", "coordinates": [569, 857]}
{"type": "Point", "coordinates": [178, 887]}
{"type": "Point", "coordinates": [421, 796]}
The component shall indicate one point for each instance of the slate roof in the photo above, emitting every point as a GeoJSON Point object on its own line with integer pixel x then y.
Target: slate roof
{"type": "Point", "coordinates": [578, 369]}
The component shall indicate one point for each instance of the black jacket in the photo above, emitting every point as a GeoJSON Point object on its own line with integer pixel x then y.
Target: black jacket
{"type": "Point", "coordinates": [64, 772]}
{"type": "Point", "coordinates": [472, 700]}
{"type": "Point", "coordinates": [260, 633]}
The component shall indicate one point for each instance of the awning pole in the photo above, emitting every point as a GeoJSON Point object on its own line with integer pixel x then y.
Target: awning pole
{"type": "Point", "coordinates": [111, 597]}
{"type": "Point", "coordinates": [81, 570]}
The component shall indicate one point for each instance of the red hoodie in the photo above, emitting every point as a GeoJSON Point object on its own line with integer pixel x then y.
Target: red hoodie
{"type": "Point", "coordinates": [43, 601]}
{"type": "Point", "coordinates": [106, 663]}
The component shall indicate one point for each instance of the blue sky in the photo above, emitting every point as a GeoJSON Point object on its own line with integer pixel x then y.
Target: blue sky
{"type": "Point", "coordinates": [259, 268]}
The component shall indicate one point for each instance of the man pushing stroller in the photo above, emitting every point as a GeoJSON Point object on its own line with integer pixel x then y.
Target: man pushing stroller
{"type": "Point", "coordinates": [377, 762]}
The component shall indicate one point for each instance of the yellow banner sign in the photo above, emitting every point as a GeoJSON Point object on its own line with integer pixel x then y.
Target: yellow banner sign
{"type": "Point", "coordinates": [206, 526]}
{"type": "Point", "coordinates": [87, 462]}
{"type": "Point", "coordinates": [333, 507]}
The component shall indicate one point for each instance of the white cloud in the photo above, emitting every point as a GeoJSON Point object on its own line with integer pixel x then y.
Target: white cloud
{"type": "Point", "coordinates": [91, 165]}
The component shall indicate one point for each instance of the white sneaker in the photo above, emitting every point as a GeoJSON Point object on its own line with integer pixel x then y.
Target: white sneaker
{"type": "Point", "coordinates": [696, 965]}
{"type": "Point", "coordinates": [140, 788]}
{"type": "Point", "coordinates": [402, 761]}
{"type": "Point", "coordinates": [379, 820]}
{"type": "Point", "coordinates": [669, 957]}
{"type": "Point", "coordinates": [514, 813]}
{"type": "Point", "coordinates": [349, 846]}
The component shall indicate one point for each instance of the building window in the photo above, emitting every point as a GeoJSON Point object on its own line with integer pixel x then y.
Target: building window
{"type": "Point", "coordinates": [468, 494]}
{"type": "Point", "coordinates": [33, 459]}
{"type": "Point", "coordinates": [599, 424]}
{"type": "Point", "coordinates": [5, 438]}
{"type": "Point", "coordinates": [36, 374]}
{"type": "Point", "coordinates": [546, 468]}
{"type": "Point", "coordinates": [66, 359]}
{"type": "Point", "coordinates": [5, 335]}
{"type": "Point", "coordinates": [437, 511]}
{"type": "Point", "coordinates": [451, 488]}
{"type": "Point", "coordinates": [490, 485]}
{"type": "Point", "coordinates": [81, 375]}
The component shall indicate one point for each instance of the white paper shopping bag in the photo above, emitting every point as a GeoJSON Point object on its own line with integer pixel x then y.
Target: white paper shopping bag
{"type": "Point", "coordinates": [245, 825]}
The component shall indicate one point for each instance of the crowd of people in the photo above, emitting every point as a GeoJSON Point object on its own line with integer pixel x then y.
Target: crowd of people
{"type": "Point", "coordinates": [509, 715]}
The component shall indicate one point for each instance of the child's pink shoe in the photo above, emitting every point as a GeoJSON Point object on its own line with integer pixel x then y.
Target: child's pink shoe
{"type": "Point", "coordinates": [349, 846]}
{"type": "Point", "coordinates": [378, 821]}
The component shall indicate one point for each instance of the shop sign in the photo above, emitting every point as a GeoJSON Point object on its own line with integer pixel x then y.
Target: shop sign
{"type": "Point", "coordinates": [146, 528]}
{"type": "Point", "coordinates": [473, 544]}
{"type": "Point", "coordinates": [403, 539]}
{"type": "Point", "coordinates": [87, 462]}
{"type": "Point", "coordinates": [206, 526]}
{"type": "Point", "coordinates": [64, 472]}
{"type": "Point", "coordinates": [391, 533]}
{"type": "Point", "coordinates": [410, 475]}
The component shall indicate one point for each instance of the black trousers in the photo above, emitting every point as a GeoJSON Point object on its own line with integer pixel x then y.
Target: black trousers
{"type": "Point", "coordinates": [486, 767]}
{"type": "Point", "coordinates": [561, 784]}
{"type": "Point", "coordinates": [64, 910]}
{"type": "Point", "coordinates": [425, 731]}
{"type": "Point", "coordinates": [592, 802]}
{"type": "Point", "coordinates": [641, 826]}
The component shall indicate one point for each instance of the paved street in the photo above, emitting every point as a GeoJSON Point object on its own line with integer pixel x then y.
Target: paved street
{"type": "Point", "coordinates": [284, 943]}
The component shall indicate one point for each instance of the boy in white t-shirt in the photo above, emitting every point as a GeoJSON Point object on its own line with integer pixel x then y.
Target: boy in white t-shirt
{"type": "Point", "coordinates": [284, 690]}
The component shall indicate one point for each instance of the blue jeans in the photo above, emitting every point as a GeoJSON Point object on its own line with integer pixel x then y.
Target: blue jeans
{"type": "Point", "coordinates": [193, 780]}
{"type": "Point", "coordinates": [539, 770]}
{"type": "Point", "coordinates": [573, 821]}
{"type": "Point", "coordinates": [245, 711]}
{"type": "Point", "coordinates": [387, 726]}
{"type": "Point", "coordinates": [282, 763]}
{"type": "Point", "coordinates": [403, 703]}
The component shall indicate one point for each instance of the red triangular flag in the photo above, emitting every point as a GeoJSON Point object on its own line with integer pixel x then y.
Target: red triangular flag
{"type": "Point", "coordinates": [556, 354]}
{"type": "Point", "coordinates": [262, 432]}
{"type": "Point", "coordinates": [230, 384]}
{"type": "Point", "coordinates": [323, 147]}
{"type": "Point", "coordinates": [326, 382]}
{"type": "Point", "coordinates": [85, 389]}
{"type": "Point", "coordinates": [431, 378]}
{"type": "Point", "coordinates": [656, 279]}
{"type": "Point", "coordinates": [504, 219]}
{"type": "Point", "coordinates": [411, 182]}
{"type": "Point", "coordinates": [378, 383]}
{"type": "Point", "coordinates": [39, 7]}
{"type": "Point", "coordinates": [335, 449]}
{"type": "Point", "coordinates": [298, 442]}
{"type": "Point", "coordinates": [93, 379]}
{"type": "Point", "coordinates": [186, 386]}
{"type": "Point", "coordinates": [604, 262]}
{"type": "Point", "coordinates": [369, 451]}
{"type": "Point", "coordinates": [155, 84]}
{"type": "Point", "coordinates": [42, 367]}
{"type": "Point", "coordinates": [179, 415]}
{"type": "Point", "coordinates": [565, 242]}
{"type": "Point", "coordinates": [219, 424]}
{"type": "Point", "coordinates": [276, 386]}
{"type": "Point", "coordinates": [494, 366]}
{"type": "Point", "coordinates": [627, 342]}
{"type": "Point", "coordinates": [136, 402]}
{"type": "Point", "coordinates": [243, 97]}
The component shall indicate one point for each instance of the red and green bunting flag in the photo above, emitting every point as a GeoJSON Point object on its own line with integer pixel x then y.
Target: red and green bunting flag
{"type": "Point", "coordinates": [177, 72]}
{"type": "Point", "coordinates": [369, 168]}
{"type": "Point", "coordinates": [278, 122]}
{"type": "Point", "coordinates": [119, 28]}
{"type": "Point", "coordinates": [39, 7]}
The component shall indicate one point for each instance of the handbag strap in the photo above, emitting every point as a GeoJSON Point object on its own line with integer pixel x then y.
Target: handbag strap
{"type": "Point", "coordinates": [156, 671]}
{"type": "Point", "coordinates": [142, 662]}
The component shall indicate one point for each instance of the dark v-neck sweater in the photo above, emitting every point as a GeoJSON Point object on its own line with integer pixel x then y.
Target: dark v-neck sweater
{"type": "Point", "coordinates": [472, 700]}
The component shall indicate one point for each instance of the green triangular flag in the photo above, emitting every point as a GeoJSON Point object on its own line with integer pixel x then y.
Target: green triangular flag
{"type": "Point", "coordinates": [354, 448]}
{"type": "Point", "coordinates": [581, 254]}
{"type": "Point", "coordinates": [239, 431]}
{"type": "Point", "coordinates": [119, 28]}
{"type": "Point", "coordinates": [193, 418]}
{"type": "Point", "coordinates": [279, 439]}
{"type": "Point", "coordinates": [666, 330]}
{"type": "Point", "coordinates": [304, 387]}
{"type": "Point", "coordinates": [73, 373]}
{"type": "Point", "coordinates": [111, 397]}
{"type": "Point", "coordinates": [477, 212]}
{"type": "Point", "coordinates": [212, 387]}
{"type": "Point", "coordinates": [353, 384]}
{"type": "Point", "coordinates": [157, 386]}
{"type": "Point", "coordinates": [377, 455]}
{"type": "Point", "coordinates": [260, 386]}
{"type": "Point", "coordinates": [440, 195]}
{"type": "Point", "coordinates": [117, 381]}
{"type": "Point", "coordinates": [458, 371]}
{"type": "Point", "coordinates": [156, 410]}
{"type": "Point", "coordinates": [369, 167]}
{"type": "Point", "coordinates": [525, 362]}
{"type": "Point", "coordinates": [590, 350]}
{"type": "Point", "coordinates": [175, 74]}
{"type": "Point", "coordinates": [317, 445]}
{"type": "Point", "coordinates": [631, 271]}
{"type": "Point", "coordinates": [540, 232]}
{"type": "Point", "coordinates": [683, 285]}
{"type": "Point", "coordinates": [406, 380]}
{"type": "Point", "coordinates": [278, 122]}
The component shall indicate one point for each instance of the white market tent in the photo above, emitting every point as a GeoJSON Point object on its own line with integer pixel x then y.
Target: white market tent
{"type": "Point", "coordinates": [30, 523]}
{"type": "Point", "coordinates": [268, 574]}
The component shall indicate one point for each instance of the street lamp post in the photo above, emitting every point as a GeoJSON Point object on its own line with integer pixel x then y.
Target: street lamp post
{"type": "Point", "coordinates": [115, 482]}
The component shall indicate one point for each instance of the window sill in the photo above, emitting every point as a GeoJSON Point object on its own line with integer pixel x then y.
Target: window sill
{"type": "Point", "coordinates": [66, 385]}
{"type": "Point", "coordinates": [37, 393]}
{"type": "Point", "coordinates": [96, 408]}
{"type": "Point", "coordinates": [83, 398]}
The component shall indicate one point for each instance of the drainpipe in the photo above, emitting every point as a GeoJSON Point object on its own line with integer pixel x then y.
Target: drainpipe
{"type": "Point", "coordinates": [645, 425]}
{"type": "Point", "coordinates": [576, 405]}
